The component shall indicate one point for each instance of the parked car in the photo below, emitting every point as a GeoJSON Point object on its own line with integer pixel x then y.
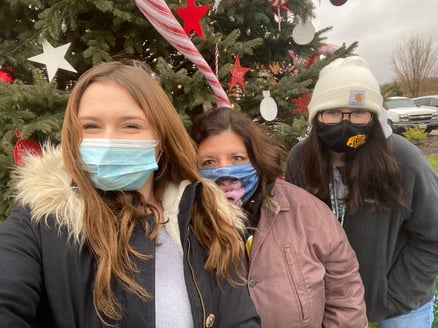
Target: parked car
{"type": "Point", "coordinates": [431, 100]}
{"type": "Point", "coordinates": [404, 113]}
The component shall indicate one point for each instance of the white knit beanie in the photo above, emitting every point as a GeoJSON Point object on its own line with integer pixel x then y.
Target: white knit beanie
{"type": "Point", "coordinates": [346, 82]}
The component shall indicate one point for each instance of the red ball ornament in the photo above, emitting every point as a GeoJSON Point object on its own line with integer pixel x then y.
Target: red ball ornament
{"type": "Point", "coordinates": [6, 76]}
{"type": "Point", "coordinates": [338, 2]}
{"type": "Point", "coordinates": [25, 147]}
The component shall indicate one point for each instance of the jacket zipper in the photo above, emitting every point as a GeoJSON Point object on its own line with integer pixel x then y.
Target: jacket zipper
{"type": "Point", "coordinates": [195, 283]}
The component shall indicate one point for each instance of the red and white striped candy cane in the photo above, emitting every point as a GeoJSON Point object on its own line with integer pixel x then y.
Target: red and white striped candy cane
{"type": "Point", "coordinates": [160, 16]}
{"type": "Point", "coordinates": [278, 4]}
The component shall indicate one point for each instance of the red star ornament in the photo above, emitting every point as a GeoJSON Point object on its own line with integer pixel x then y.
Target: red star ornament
{"type": "Point", "coordinates": [237, 73]}
{"type": "Point", "coordinates": [191, 15]}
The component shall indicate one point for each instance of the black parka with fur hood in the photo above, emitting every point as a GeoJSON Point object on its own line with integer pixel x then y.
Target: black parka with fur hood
{"type": "Point", "coordinates": [47, 272]}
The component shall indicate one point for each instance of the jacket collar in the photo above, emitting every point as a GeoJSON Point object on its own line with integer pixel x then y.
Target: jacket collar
{"type": "Point", "coordinates": [278, 203]}
{"type": "Point", "coordinates": [171, 201]}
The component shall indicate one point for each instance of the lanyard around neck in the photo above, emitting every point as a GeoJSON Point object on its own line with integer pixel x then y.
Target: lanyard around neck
{"type": "Point", "coordinates": [338, 208]}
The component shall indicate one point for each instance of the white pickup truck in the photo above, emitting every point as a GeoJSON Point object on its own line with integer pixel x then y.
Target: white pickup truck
{"type": "Point", "coordinates": [404, 113]}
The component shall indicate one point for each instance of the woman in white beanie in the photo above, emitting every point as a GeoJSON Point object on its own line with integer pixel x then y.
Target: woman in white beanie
{"type": "Point", "coordinates": [381, 188]}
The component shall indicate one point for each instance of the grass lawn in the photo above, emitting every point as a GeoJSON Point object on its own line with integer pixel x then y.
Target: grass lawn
{"type": "Point", "coordinates": [433, 160]}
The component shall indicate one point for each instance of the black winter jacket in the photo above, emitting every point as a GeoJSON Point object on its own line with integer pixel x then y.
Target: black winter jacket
{"type": "Point", "coordinates": [46, 278]}
{"type": "Point", "coordinates": [397, 249]}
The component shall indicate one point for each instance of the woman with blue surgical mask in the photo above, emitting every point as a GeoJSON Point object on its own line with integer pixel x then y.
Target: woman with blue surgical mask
{"type": "Point", "coordinates": [116, 227]}
{"type": "Point", "coordinates": [301, 270]}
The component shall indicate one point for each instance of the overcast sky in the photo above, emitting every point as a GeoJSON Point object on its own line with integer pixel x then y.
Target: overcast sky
{"type": "Point", "coordinates": [379, 26]}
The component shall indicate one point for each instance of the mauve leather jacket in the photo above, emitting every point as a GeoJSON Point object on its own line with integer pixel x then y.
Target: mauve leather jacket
{"type": "Point", "coordinates": [302, 270]}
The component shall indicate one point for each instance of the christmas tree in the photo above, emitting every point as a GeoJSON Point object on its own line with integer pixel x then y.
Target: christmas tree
{"type": "Point", "coordinates": [254, 48]}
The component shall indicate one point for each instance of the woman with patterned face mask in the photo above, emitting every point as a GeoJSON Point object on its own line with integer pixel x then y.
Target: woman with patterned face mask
{"type": "Point", "coordinates": [379, 186]}
{"type": "Point", "coordinates": [116, 227]}
{"type": "Point", "coordinates": [300, 267]}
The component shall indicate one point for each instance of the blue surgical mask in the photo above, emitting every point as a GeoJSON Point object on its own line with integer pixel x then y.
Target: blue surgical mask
{"type": "Point", "coordinates": [238, 181]}
{"type": "Point", "coordinates": [118, 164]}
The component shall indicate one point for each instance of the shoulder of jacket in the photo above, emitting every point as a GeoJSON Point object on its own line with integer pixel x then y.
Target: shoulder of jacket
{"type": "Point", "coordinates": [409, 156]}
{"type": "Point", "coordinates": [43, 186]}
{"type": "Point", "coordinates": [294, 198]}
{"type": "Point", "coordinates": [401, 147]}
{"type": "Point", "coordinates": [298, 147]}
{"type": "Point", "coordinates": [288, 192]}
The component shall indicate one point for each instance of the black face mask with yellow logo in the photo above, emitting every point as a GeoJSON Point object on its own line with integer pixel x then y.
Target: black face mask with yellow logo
{"type": "Point", "coordinates": [344, 136]}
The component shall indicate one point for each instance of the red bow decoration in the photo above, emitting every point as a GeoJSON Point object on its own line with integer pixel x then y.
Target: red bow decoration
{"type": "Point", "coordinates": [301, 104]}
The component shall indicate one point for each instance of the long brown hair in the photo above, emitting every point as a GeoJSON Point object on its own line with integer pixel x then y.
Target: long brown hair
{"type": "Point", "coordinates": [110, 218]}
{"type": "Point", "coordinates": [264, 154]}
{"type": "Point", "coordinates": [370, 171]}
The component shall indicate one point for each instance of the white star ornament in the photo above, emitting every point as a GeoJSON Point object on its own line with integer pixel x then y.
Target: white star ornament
{"type": "Point", "coordinates": [53, 58]}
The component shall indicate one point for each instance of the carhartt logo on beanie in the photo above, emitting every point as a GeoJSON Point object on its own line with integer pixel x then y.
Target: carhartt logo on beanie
{"type": "Point", "coordinates": [346, 82]}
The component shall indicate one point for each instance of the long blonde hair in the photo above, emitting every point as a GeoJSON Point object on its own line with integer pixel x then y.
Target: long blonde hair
{"type": "Point", "coordinates": [110, 218]}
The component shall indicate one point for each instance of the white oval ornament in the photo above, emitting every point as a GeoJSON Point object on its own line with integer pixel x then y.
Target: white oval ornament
{"type": "Point", "coordinates": [303, 33]}
{"type": "Point", "coordinates": [268, 107]}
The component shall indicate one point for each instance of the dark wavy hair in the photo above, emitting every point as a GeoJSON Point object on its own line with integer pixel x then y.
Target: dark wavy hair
{"type": "Point", "coordinates": [264, 153]}
{"type": "Point", "coordinates": [371, 170]}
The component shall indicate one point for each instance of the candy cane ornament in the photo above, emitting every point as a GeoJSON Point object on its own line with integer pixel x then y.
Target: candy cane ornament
{"type": "Point", "coordinates": [216, 59]}
{"type": "Point", "coordinates": [160, 16]}
{"type": "Point", "coordinates": [279, 4]}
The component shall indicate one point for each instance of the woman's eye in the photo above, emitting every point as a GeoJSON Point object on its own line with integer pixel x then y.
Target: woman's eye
{"type": "Point", "coordinates": [131, 126]}
{"type": "Point", "coordinates": [208, 162]}
{"type": "Point", "coordinates": [238, 158]}
{"type": "Point", "coordinates": [88, 126]}
{"type": "Point", "coordinates": [333, 113]}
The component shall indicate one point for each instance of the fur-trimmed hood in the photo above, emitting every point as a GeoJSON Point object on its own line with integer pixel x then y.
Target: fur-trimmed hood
{"type": "Point", "coordinates": [43, 185]}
